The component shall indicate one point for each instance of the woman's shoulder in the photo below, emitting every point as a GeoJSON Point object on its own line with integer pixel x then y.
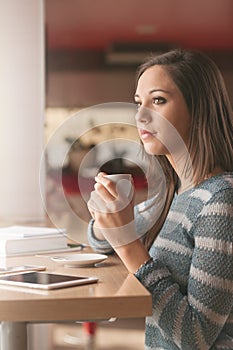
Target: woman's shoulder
{"type": "Point", "coordinates": [217, 182]}
{"type": "Point", "coordinates": [218, 186]}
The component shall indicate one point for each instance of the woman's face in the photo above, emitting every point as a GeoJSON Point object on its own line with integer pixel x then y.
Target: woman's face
{"type": "Point", "coordinates": [162, 112]}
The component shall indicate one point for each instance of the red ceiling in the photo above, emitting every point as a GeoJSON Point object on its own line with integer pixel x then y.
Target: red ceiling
{"type": "Point", "coordinates": [96, 24]}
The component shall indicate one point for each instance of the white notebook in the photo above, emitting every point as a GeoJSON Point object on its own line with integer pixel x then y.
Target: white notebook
{"type": "Point", "coordinates": [15, 240]}
{"type": "Point", "coordinates": [29, 231]}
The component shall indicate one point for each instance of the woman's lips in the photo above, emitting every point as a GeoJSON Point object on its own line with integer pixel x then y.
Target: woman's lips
{"type": "Point", "coordinates": [145, 134]}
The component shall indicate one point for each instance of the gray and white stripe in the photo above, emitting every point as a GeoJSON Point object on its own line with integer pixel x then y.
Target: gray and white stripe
{"type": "Point", "coordinates": [217, 209]}
{"type": "Point", "coordinates": [212, 244]}
{"type": "Point", "coordinates": [173, 246]}
{"type": "Point", "coordinates": [213, 281]}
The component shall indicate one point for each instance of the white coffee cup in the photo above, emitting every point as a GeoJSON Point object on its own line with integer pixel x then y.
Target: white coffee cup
{"type": "Point", "coordinates": [123, 181]}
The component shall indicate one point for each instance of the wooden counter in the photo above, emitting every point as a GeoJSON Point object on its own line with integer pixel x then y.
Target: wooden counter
{"type": "Point", "coordinates": [117, 294]}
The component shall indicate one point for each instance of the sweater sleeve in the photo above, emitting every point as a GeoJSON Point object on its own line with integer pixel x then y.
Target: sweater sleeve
{"type": "Point", "coordinates": [199, 317]}
{"type": "Point", "coordinates": [145, 214]}
{"type": "Point", "coordinates": [100, 246]}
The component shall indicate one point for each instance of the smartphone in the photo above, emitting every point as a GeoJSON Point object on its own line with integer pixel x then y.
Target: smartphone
{"type": "Point", "coordinates": [21, 268]}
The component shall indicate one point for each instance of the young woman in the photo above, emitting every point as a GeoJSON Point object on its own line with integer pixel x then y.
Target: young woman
{"type": "Point", "coordinates": [185, 259]}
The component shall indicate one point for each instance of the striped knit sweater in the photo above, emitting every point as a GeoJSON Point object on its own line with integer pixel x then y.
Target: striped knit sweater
{"type": "Point", "coordinates": [191, 275]}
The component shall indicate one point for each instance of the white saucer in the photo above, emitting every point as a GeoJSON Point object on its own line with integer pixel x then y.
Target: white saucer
{"type": "Point", "coordinates": [79, 260]}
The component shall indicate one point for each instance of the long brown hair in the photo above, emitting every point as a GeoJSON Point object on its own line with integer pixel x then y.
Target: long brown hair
{"type": "Point", "coordinates": [211, 135]}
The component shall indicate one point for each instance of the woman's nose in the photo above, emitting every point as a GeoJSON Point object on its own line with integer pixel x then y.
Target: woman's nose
{"type": "Point", "coordinates": [143, 115]}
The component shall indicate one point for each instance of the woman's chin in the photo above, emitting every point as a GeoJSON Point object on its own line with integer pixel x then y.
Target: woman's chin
{"type": "Point", "coordinates": [155, 151]}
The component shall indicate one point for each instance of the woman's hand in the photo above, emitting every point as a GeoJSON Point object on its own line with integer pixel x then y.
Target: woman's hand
{"type": "Point", "coordinates": [113, 212]}
{"type": "Point", "coordinates": [109, 205]}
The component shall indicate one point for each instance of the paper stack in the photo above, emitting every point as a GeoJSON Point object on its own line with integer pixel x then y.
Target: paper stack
{"type": "Point", "coordinates": [21, 240]}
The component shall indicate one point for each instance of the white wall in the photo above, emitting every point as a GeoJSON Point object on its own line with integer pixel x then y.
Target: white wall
{"type": "Point", "coordinates": [21, 109]}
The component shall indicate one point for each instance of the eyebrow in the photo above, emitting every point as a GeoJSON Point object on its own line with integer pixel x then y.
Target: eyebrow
{"type": "Point", "coordinates": [154, 90]}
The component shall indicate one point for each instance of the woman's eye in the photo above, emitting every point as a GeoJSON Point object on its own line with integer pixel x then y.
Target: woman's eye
{"type": "Point", "coordinates": [137, 104]}
{"type": "Point", "coordinates": [159, 100]}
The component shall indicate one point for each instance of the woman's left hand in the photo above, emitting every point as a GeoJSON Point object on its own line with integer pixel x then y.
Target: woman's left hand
{"type": "Point", "coordinates": [109, 205]}
{"type": "Point", "coordinates": [113, 212]}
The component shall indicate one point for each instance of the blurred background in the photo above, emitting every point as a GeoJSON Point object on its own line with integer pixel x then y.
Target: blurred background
{"type": "Point", "coordinates": [94, 47]}
{"type": "Point", "coordinates": [98, 44]}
